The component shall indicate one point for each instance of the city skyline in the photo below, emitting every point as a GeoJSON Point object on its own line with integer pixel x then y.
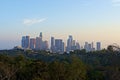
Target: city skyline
{"type": "Point", "coordinates": [57, 45]}
{"type": "Point", "coordinates": [86, 20]}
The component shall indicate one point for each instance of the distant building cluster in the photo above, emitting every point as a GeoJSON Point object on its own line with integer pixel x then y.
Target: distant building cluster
{"type": "Point", "coordinates": [90, 46]}
{"type": "Point", "coordinates": [72, 44]}
{"type": "Point", "coordinates": [57, 45]}
{"type": "Point", "coordinates": [34, 43]}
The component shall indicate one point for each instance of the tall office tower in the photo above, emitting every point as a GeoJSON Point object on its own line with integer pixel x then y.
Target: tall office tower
{"type": "Point", "coordinates": [92, 46]}
{"type": "Point", "coordinates": [37, 46]}
{"type": "Point", "coordinates": [77, 46]}
{"type": "Point", "coordinates": [68, 47]}
{"type": "Point", "coordinates": [86, 46]}
{"type": "Point", "coordinates": [58, 45]}
{"type": "Point", "coordinates": [70, 40]}
{"type": "Point", "coordinates": [41, 41]}
{"type": "Point", "coordinates": [52, 44]}
{"type": "Point", "coordinates": [41, 35]}
{"type": "Point", "coordinates": [73, 45]}
{"type": "Point", "coordinates": [63, 47]}
{"type": "Point", "coordinates": [89, 47]}
{"type": "Point", "coordinates": [45, 45]}
{"type": "Point", "coordinates": [27, 42]}
{"type": "Point", "coordinates": [98, 46]}
{"type": "Point", "coordinates": [69, 43]}
{"type": "Point", "coordinates": [23, 42]}
{"type": "Point", "coordinates": [41, 44]}
{"type": "Point", "coordinates": [32, 43]}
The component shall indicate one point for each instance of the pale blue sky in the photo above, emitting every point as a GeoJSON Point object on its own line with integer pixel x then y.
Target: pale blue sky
{"type": "Point", "coordinates": [86, 20]}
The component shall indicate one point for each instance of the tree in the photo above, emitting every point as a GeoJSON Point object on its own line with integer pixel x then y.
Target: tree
{"type": "Point", "coordinates": [76, 69]}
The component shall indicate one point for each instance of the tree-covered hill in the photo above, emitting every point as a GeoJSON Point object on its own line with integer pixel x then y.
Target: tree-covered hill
{"type": "Point", "coordinates": [43, 65]}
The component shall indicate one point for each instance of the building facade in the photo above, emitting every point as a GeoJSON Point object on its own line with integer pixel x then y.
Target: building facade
{"type": "Point", "coordinates": [98, 46]}
{"type": "Point", "coordinates": [32, 43]}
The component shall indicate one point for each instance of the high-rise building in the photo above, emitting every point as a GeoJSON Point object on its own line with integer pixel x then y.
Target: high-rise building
{"type": "Point", "coordinates": [92, 46]}
{"type": "Point", "coordinates": [58, 45]}
{"type": "Point", "coordinates": [37, 46]}
{"type": "Point", "coordinates": [32, 43]}
{"type": "Point", "coordinates": [23, 41]}
{"type": "Point", "coordinates": [41, 35]}
{"type": "Point", "coordinates": [45, 45]}
{"type": "Point", "coordinates": [69, 43]}
{"type": "Point", "coordinates": [26, 42]}
{"type": "Point", "coordinates": [73, 43]}
{"type": "Point", "coordinates": [52, 44]}
{"type": "Point", "coordinates": [86, 46]}
{"type": "Point", "coordinates": [89, 47]}
{"type": "Point", "coordinates": [68, 48]}
{"type": "Point", "coordinates": [63, 47]}
{"type": "Point", "coordinates": [39, 42]}
{"type": "Point", "coordinates": [98, 46]}
{"type": "Point", "coordinates": [70, 40]}
{"type": "Point", "coordinates": [77, 46]}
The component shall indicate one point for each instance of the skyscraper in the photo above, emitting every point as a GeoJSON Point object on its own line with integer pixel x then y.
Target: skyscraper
{"type": "Point", "coordinates": [86, 46]}
{"type": "Point", "coordinates": [59, 45]}
{"type": "Point", "coordinates": [41, 35]}
{"type": "Point", "coordinates": [63, 47]}
{"type": "Point", "coordinates": [52, 44]}
{"type": "Point", "coordinates": [39, 42]}
{"type": "Point", "coordinates": [26, 42]}
{"type": "Point", "coordinates": [45, 45]}
{"type": "Point", "coordinates": [92, 46]}
{"type": "Point", "coordinates": [23, 41]}
{"type": "Point", "coordinates": [89, 47]}
{"type": "Point", "coordinates": [77, 46]}
{"type": "Point", "coordinates": [32, 43]}
{"type": "Point", "coordinates": [98, 46]}
{"type": "Point", "coordinates": [70, 40]}
{"type": "Point", "coordinates": [37, 46]}
{"type": "Point", "coordinates": [73, 43]}
{"type": "Point", "coordinates": [69, 43]}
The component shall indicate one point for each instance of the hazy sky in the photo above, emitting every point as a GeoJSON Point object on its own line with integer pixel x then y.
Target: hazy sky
{"type": "Point", "coordinates": [86, 20]}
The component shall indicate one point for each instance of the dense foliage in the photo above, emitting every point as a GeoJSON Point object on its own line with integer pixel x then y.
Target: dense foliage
{"type": "Point", "coordinates": [43, 65]}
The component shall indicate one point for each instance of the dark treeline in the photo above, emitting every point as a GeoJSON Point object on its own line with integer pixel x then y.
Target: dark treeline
{"type": "Point", "coordinates": [43, 65]}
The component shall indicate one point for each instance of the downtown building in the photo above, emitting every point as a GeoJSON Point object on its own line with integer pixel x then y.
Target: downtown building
{"type": "Point", "coordinates": [45, 45]}
{"type": "Point", "coordinates": [37, 45]}
{"type": "Point", "coordinates": [52, 48]}
{"type": "Point", "coordinates": [90, 46]}
{"type": "Point", "coordinates": [40, 44]}
{"type": "Point", "coordinates": [72, 44]}
{"type": "Point", "coordinates": [57, 45]}
{"type": "Point", "coordinates": [25, 42]}
{"type": "Point", "coordinates": [98, 46]}
{"type": "Point", "coordinates": [34, 43]}
{"type": "Point", "coordinates": [69, 44]}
